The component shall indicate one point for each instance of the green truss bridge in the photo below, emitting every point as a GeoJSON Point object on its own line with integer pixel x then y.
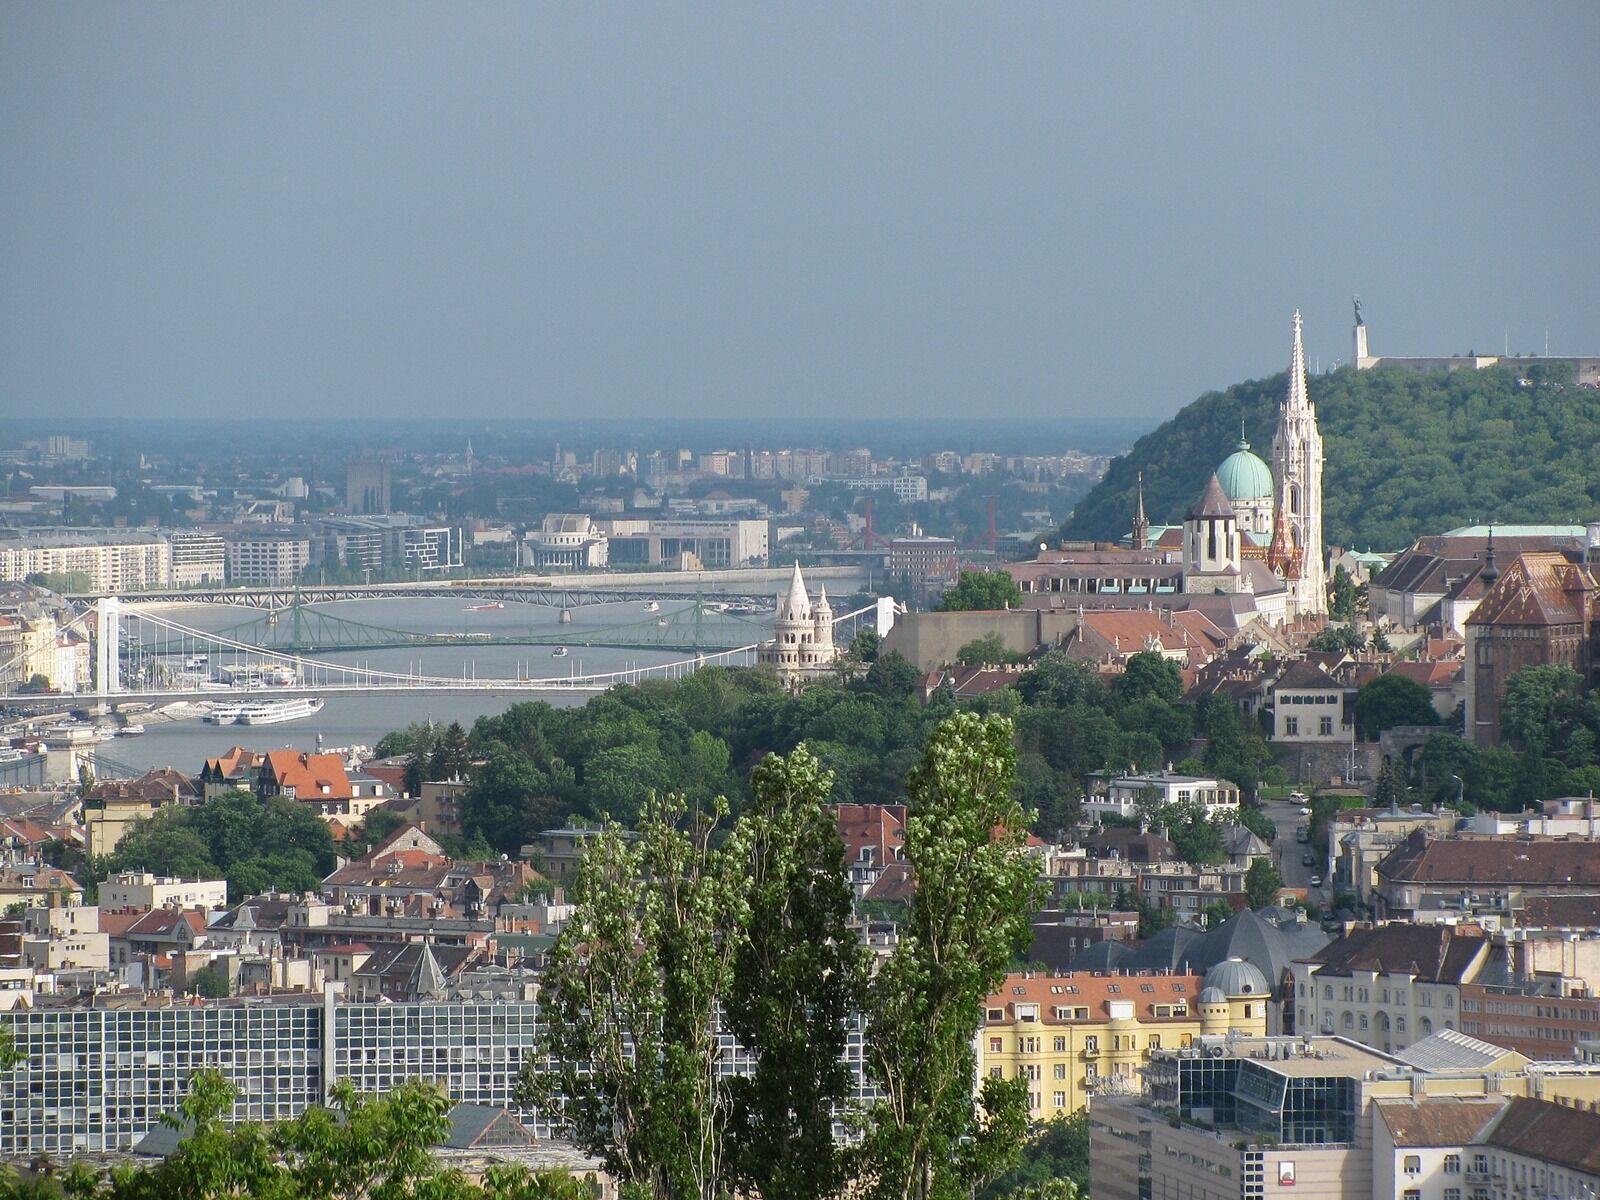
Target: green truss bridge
{"type": "Point", "coordinates": [300, 628]}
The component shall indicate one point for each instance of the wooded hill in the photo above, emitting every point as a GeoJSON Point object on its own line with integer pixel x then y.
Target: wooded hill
{"type": "Point", "coordinates": [1406, 454]}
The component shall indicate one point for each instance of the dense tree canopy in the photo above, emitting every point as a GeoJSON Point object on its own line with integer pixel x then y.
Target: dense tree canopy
{"type": "Point", "coordinates": [1392, 700]}
{"type": "Point", "coordinates": [1407, 453]}
{"type": "Point", "coordinates": [257, 846]}
{"type": "Point", "coordinates": [981, 591]}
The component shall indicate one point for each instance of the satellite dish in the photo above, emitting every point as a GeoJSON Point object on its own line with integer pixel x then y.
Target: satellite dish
{"type": "Point", "coordinates": [1043, 546]}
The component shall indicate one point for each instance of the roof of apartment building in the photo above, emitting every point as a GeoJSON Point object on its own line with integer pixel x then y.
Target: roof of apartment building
{"type": "Point", "coordinates": [1565, 911]}
{"type": "Point", "coordinates": [1452, 1050]}
{"type": "Point", "coordinates": [1432, 953]}
{"type": "Point", "coordinates": [1271, 946]}
{"type": "Point", "coordinates": [310, 775]}
{"type": "Point", "coordinates": [1076, 989]}
{"type": "Point", "coordinates": [1444, 1121]}
{"type": "Point", "coordinates": [1475, 859]}
{"type": "Point", "coordinates": [1305, 676]}
{"type": "Point", "coordinates": [233, 763]}
{"type": "Point", "coordinates": [1554, 1133]}
{"type": "Point", "coordinates": [881, 826]}
{"type": "Point", "coordinates": [159, 784]}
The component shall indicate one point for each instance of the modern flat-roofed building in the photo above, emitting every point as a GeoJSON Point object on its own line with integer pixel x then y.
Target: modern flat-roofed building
{"type": "Point", "coordinates": [366, 486]}
{"type": "Point", "coordinates": [267, 560]}
{"type": "Point", "coordinates": [109, 560]}
{"type": "Point", "coordinates": [683, 543]}
{"type": "Point", "coordinates": [198, 559]}
{"type": "Point", "coordinates": [1121, 795]}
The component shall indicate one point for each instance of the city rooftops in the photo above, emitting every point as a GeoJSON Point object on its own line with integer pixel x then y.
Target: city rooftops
{"type": "Point", "coordinates": [1302, 1057]}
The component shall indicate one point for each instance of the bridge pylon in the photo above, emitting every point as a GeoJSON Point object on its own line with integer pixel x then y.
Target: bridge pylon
{"type": "Point", "coordinates": [108, 649]}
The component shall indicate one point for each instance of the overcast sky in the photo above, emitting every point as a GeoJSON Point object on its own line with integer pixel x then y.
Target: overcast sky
{"type": "Point", "coordinates": [928, 209]}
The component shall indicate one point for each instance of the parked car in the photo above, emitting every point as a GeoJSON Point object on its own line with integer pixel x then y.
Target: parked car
{"type": "Point", "coordinates": [1308, 860]}
{"type": "Point", "coordinates": [1316, 881]}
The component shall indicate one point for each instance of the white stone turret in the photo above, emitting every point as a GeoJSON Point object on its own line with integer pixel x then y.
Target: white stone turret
{"type": "Point", "coordinates": [802, 644]}
{"type": "Point", "coordinates": [1297, 468]}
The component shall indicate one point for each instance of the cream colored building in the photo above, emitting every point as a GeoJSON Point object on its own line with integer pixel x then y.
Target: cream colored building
{"type": "Point", "coordinates": [140, 891]}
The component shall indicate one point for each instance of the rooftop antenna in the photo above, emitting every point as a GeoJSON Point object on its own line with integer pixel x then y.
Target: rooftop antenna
{"type": "Point", "coordinates": [1547, 341]}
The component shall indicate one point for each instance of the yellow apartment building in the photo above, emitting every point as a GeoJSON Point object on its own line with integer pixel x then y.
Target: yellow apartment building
{"type": "Point", "coordinates": [1076, 1033]}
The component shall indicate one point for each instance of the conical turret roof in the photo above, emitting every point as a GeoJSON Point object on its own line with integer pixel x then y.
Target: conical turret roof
{"type": "Point", "coordinates": [1213, 502]}
{"type": "Point", "coordinates": [796, 605]}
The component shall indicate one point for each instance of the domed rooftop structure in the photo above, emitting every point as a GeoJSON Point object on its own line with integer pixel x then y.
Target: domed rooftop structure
{"type": "Point", "coordinates": [1213, 995]}
{"type": "Point", "coordinates": [1235, 977]}
{"type": "Point", "coordinates": [1244, 476]}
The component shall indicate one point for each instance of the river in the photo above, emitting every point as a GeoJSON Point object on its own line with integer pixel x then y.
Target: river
{"type": "Point", "coordinates": [351, 719]}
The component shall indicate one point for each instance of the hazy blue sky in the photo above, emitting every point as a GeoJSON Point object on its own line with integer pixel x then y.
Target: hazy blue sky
{"type": "Point", "coordinates": [911, 209]}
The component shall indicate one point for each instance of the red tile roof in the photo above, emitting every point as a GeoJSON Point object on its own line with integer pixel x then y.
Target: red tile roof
{"type": "Point", "coordinates": [1078, 989]}
{"type": "Point", "coordinates": [310, 775]}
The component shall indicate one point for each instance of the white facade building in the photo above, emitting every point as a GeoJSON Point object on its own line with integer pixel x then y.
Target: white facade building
{"type": "Point", "coordinates": [267, 561]}
{"type": "Point", "coordinates": [109, 561]}
{"type": "Point", "coordinates": [198, 559]}
{"type": "Point", "coordinates": [565, 541]}
{"type": "Point", "coordinates": [1121, 795]}
{"type": "Point", "coordinates": [141, 891]}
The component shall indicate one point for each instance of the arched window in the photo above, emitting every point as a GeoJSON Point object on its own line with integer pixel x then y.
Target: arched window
{"type": "Point", "coordinates": [1349, 1021]}
{"type": "Point", "coordinates": [1427, 1025]}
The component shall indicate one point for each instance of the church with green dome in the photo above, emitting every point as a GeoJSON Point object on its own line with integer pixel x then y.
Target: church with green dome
{"type": "Point", "coordinates": [1247, 482]}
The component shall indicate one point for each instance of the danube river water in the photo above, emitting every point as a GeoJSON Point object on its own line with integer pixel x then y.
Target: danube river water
{"type": "Point", "coordinates": [353, 719]}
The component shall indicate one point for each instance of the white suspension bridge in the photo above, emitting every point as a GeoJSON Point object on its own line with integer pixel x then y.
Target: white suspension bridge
{"type": "Point", "coordinates": [143, 656]}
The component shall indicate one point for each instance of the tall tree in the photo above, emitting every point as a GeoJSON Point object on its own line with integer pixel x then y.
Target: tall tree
{"type": "Point", "coordinates": [975, 888]}
{"type": "Point", "coordinates": [632, 1060]}
{"type": "Point", "coordinates": [796, 984]}
{"type": "Point", "coordinates": [450, 759]}
{"type": "Point", "coordinates": [981, 591]}
{"type": "Point", "coordinates": [1391, 700]}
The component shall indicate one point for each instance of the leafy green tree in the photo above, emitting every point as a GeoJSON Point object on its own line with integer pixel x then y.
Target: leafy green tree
{"type": "Point", "coordinates": [1342, 595]}
{"type": "Point", "coordinates": [1337, 639]}
{"type": "Point", "coordinates": [984, 591]}
{"type": "Point", "coordinates": [1056, 681]}
{"type": "Point", "coordinates": [1218, 912]}
{"type": "Point", "coordinates": [1380, 641]}
{"type": "Point", "coordinates": [210, 982]}
{"type": "Point", "coordinates": [1148, 675]}
{"type": "Point", "coordinates": [989, 650]}
{"type": "Point", "coordinates": [1056, 1152]}
{"type": "Point", "coordinates": [420, 763]}
{"type": "Point", "coordinates": [929, 1136]}
{"type": "Point", "coordinates": [797, 975]}
{"type": "Point", "coordinates": [1262, 883]}
{"type": "Point", "coordinates": [892, 676]}
{"type": "Point", "coordinates": [1392, 700]}
{"type": "Point", "coordinates": [629, 995]}
{"type": "Point", "coordinates": [864, 646]}
{"type": "Point", "coordinates": [1538, 700]}
{"type": "Point", "coordinates": [450, 756]}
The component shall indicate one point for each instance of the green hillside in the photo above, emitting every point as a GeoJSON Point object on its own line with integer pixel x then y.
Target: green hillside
{"type": "Point", "coordinates": [1407, 454]}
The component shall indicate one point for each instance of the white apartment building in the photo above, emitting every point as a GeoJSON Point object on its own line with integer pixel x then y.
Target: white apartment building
{"type": "Point", "coordinates": [1121, 795]}
{"type": "Point", "coordinates": [198, 559]}
{"type": "Point", "coordinates": [565, 541]}
{"type": "Point", "coordinates": [142, 891]}
{"type": "Point", "coordinates": [109, 560]}
{"type": "Point", "coordinates": [266, 561]}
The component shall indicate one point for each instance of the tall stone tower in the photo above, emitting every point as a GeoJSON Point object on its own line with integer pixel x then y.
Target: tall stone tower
{"type": "Point", "coordinates": [1297, 469]}
{"type": "Point", "coordinates": [802, 647]}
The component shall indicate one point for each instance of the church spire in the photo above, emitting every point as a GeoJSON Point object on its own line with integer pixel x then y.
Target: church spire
{"type": "Point", "coordinates": [1141, 524]}
{"type": "Point", "coordinates": [1299, 399]}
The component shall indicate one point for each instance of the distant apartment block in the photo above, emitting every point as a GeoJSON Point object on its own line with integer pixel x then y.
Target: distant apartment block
{"type": "Point", "coordinates": [685, 544]}
{"type": "Point", "coordinates": [266, 560]}
{"type": "Point", "coordinates": [906, 488]}
{"type": "Point", "coordinates": [198, 559]}
{"type": "Point", "coordinates": [109, 560]}
{"type": "Point", "coordinates": [366, 486]}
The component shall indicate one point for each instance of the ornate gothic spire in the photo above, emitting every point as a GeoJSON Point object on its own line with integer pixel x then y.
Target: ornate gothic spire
{"type": "Point", "coordinates": [1141, 524]}
{"type": "Point", "coordinates": [1299, 399]}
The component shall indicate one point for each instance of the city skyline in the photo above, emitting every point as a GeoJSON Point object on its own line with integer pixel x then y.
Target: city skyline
{"type": "Point", "coordinates": [513, 212]}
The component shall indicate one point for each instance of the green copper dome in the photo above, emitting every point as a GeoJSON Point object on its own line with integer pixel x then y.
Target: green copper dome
{"type": "Point", "coordinates": [1244, 476]}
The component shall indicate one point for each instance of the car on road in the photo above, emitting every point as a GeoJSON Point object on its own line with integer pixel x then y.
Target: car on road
{"type": "Point", "coordinates": [1297, 797]}
{"type": "Point", "coordinates": [1305, 812]}
{"type": "Point", "coordinates": [1308, 860]}
{"type": "Point", "coordinates": [1316, 881]}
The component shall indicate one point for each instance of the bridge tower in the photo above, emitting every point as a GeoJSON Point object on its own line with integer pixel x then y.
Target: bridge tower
{"type": "Point", "coordinates": [108, 648]}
